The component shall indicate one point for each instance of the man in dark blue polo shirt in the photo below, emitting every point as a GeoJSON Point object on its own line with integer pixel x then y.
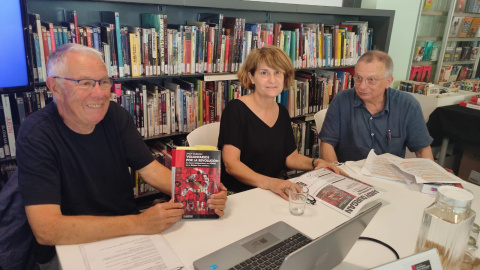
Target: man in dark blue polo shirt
{"type": "Point", "coordinates": [373, 116]}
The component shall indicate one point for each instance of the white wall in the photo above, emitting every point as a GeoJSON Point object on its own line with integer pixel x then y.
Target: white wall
{"type": "Point", "coordinates": [401, 43]}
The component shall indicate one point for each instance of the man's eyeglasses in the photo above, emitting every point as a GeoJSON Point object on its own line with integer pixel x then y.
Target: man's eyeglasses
{"type": "Point", "coordinates": [89, 84]}
{"type": "Point", "coordinates": [369, 81]}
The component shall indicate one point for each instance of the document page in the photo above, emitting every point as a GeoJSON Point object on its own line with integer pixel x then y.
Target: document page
{"type": "Point", "coordinates": [411, 170]}
{"type": "Point", "coordinates": [382, 166]}
{"type": "Point", "coordinates": [343, 194]}
{"type": "Point", "coordinates": [135, 252]}
{"type": "Point", "coordinates": [426, 171]}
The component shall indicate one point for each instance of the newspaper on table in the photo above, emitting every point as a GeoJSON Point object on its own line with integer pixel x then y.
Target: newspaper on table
{"type": "Point", "coordinates": [134, 252]}
{"type": "Point", "coordinates": [411, 170]}
{"type": "Point", "coordinates": [341, 193]}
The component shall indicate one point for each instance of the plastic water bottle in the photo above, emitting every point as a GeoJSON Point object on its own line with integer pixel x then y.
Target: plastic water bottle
{"type": "Point", "coordinates": [446, 225]}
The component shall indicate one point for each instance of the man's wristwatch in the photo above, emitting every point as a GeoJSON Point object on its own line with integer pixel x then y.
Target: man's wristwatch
{"type": "Point", "coordinates": [313, 163]}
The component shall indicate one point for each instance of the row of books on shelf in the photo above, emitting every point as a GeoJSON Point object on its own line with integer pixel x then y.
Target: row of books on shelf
{"type": "Point", "coordinates": [420, 73]}
{"type": "Point", "coordinates": [161, 150]}
{"type": "Point", "coordinates": [468, 6]}
{"type": "Point", "coordinates": [448, 73]}
{"type": "Point", "coordinates": [461, 53]}
{"type": "Point", "coordinates": [213, 43]}
{"type": "Point", "coordinates": [305, 134]}
{"type": "Point", "coordinates": [177, 104]}
{"type": "Point", "coordinates": [464, 27]}
{"type": "Point", "coordinates": [183, 104]}
{"type": "Point", "coordinates": [426, 51]}
{"type": "Point", "coordinates": [14, 108]}
{"type": "Point", "coordinates": [427, 89]}
{"type": "Point", "coordinates": [436, 5]}
{"type": "Point", "coordinates": [442, 89]}
{"type": "Point", "coordinates": [421, 88]}
{"type": "Point", "coordinates": [451, 73]}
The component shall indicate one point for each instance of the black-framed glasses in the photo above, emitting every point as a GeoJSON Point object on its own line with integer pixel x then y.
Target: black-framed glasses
{"type": "Point", "coordinates": [89, 84]}
{"type": "Point", "coordinates": [311, 200]}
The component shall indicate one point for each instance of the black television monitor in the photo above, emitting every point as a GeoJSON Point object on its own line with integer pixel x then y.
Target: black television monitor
{"type": "Point", "coordinates": [15, 59]}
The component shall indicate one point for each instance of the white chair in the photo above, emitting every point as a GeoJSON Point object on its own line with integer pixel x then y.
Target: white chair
{"type": "Point", "coordinates": [204, 135]}
{"type": "Point", "coordinates": [319, 118]}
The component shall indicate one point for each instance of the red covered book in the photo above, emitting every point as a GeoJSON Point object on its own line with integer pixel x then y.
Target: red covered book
{"type": "Point", "coordinates": [195, 176]}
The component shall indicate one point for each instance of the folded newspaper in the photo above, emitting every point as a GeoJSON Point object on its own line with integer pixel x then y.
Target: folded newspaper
{"type": "Point", "coordinates": [411, 170]}
{"type": "Point", "coordinates": [343, 194]}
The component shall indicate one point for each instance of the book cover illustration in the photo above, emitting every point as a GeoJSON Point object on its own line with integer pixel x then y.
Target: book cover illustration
{"type": "Point", "coordinates": [335, 196]}
{"type": "Point", "coordinates": [195, 176]}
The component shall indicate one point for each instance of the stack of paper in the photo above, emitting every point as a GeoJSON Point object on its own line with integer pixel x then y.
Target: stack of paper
{"type": "Point", "coordinates": [412, 170]}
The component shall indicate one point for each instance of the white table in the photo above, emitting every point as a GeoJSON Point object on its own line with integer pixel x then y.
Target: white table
{"type": "Point", "coordinates": [397, 223]}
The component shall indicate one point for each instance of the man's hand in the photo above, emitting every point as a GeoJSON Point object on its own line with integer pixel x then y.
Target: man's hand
{"type": "Point", "coordinates": [218, 201]}
{"type": "Point", "coordinates": [320, 163]}
{"type": "Point", "coordinates": [159, 217]}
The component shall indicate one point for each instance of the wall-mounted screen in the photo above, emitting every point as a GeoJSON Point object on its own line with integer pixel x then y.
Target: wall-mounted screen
{"type": "Point", "coordinates": [14, 67]}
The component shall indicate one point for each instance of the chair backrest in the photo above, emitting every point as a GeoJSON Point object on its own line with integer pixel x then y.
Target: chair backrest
{"type": "Point", "coordinates": [319, 118]}
{"type": "Point", "coordinates": [204, 135]}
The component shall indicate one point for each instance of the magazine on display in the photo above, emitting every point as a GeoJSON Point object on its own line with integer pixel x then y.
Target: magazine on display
{"type": "Point", "coordinates": [195, 176]}
{"type": "Point", "coordinates": [341, 193]}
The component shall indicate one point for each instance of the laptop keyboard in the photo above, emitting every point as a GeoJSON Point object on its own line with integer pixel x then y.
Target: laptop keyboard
{"type": "Point", "coordinates": [273, 257]}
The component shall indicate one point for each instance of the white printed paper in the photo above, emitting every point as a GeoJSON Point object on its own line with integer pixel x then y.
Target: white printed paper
{"type": "Point", "coordinates": [383, 167]}
{"type": "Point", "coordinates": [411, 170]}
{"type": "Point", "coordinates": [133, 252]}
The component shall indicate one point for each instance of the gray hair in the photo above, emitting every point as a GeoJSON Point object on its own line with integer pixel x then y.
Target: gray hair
{"type": "Point", "coordinates": [57, 60]}
{"type": "Point", "coordinates": [380, 56]}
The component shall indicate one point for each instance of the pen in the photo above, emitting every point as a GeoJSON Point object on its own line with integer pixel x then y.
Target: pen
{"type": "Point", "coordinates": [389, 135]}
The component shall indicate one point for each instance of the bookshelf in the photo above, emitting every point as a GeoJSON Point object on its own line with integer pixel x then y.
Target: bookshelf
{"type": "Point", "coordinates": [434, 25]}
{"type": "Point", "coordinates": [180, 11]}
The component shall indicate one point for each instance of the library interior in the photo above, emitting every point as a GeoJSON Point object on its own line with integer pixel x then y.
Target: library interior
{"type": "Point", "coordinates": [116, 135]}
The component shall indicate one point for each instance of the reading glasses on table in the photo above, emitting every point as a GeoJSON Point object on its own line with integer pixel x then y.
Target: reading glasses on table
{"type": "Point", "coordinates": [89, 84]}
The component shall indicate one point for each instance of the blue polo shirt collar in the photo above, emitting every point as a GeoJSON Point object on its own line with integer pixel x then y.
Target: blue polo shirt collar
{"type": "Point", "coordinates": [357, 101]}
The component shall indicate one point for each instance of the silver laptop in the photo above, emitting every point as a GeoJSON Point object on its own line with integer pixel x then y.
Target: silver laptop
{"type": "Point", "coordinates": [280, 246]}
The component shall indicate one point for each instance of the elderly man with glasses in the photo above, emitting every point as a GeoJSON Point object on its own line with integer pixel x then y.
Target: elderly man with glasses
{"type": "Point", "coordinates": [74, 157]}
{"type": "Point", "coordinates": [373, 116]}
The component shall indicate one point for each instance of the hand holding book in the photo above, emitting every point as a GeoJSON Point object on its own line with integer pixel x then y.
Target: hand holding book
{"type": "Point", "coordinates": [196, 181]}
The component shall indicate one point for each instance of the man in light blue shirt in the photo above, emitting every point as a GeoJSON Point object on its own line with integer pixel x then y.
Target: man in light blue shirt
{"type": "Point", "coordinates": [373, 116]}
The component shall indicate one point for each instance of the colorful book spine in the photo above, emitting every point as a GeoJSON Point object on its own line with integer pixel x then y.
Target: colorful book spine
{"type": "Point", "coordinates": [7, 113]}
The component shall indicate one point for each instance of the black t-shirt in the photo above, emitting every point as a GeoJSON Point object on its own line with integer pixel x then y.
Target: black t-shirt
{"type": "Point", "coordinates": [263, 149]}
{"type": "Point", "coordinates": [84, 174]}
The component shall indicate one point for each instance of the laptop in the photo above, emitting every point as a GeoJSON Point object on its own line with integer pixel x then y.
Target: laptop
{"type": "Point", "coordinates": [281, 246]}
